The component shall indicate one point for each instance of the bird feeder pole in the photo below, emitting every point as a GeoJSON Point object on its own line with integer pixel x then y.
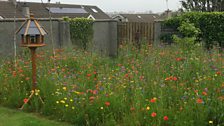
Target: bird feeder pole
{"type": "Point", "coordinates": [34, 67]}
{"type": "Point", "coordinates": [32, 36]}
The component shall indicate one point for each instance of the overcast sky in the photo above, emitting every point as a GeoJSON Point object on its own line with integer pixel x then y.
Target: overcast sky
{"type": "Point", "coordinates": [124, 5]}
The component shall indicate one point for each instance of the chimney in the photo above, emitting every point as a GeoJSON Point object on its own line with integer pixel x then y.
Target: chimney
{"type": "Point", "coordinates": [26, 10]}
{"type": "Point", "coordinates": [13, 1]}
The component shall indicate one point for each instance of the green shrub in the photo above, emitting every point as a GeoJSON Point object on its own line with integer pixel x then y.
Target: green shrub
{"type": "Point", "coordinates": [81, 30]}
{"type": "Point", "coordinates": [188, 36]}
{"type": "Point", "coordinates": [167, 38]}
{"type": "Point", "coordinates": [210, 24]}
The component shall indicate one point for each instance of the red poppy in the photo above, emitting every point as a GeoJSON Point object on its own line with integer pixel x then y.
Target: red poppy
{"type": "Point", "coordinates": [95, 91]}
{"type": "Point", "coordinates": [199, 101]}
{"type": "Point", "coordinates": [153, 114]}
{"type": "Point", "coordinates": [25, 100]}
{"type": "Point", "coordinates": [204, 93]}
{"type": "Point", "coordinates": [153, 100]}
{"type": "Point", "coordinates": [165, 118]}
{"type": "Point", "coordinates": [126, 75]}
{"type": "Point", "coordinates": [169, 78]}
{"type": "Point", "coordinates": [174, 78]}
{"type": "Point", "coordinates": [88, 75]}
{"type": "Point", "coordinates": [179, 59]}
{"type": "Point", "coordinates": [107, 103]}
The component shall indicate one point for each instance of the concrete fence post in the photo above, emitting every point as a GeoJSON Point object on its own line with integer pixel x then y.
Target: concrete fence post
{"type": "Point", "coordinates": [64, 34]}
{"type": "Point", "coordinates": [157, 32]}
{"type": "Point", "coordinates": [105, 37]}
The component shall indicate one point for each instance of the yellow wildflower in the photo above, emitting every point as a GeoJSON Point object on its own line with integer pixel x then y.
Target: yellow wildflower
{"type": "Point", "coordinates": [64, 88]}
{"type": "Point", "coordinates": [210, 122]}
{"type": "Point", "coordinates": [62, 101]}
{"type": "Point", "coordinates": [76, 92]}
{"type": "Point", "coordinates": [37, 92]}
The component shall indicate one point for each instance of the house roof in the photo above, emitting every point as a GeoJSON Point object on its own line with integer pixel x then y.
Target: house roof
{"type": "Point", "coordinates": [41, 10]}
{"type": "Point", "coordinates": [140, 17]}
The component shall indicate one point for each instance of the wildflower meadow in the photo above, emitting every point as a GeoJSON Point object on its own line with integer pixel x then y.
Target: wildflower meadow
{"type": "Point", "coordinates": [153, 86]}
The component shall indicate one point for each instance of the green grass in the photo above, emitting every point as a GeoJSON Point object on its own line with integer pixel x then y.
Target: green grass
{"type": "Point", "coordinates": [10, 117]}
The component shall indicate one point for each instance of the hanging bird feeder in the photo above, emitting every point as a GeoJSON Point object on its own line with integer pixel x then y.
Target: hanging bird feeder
{"type": "Point", "coordinates": [32, 36]}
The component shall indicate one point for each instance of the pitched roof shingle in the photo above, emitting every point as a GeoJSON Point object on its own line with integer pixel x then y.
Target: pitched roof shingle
{"type": "Point", "coordinates": [140, 17]}
{"type": "Point", "coordinates": [41, 10]}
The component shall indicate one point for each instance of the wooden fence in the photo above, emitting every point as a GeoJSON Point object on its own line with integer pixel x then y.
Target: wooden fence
{"type": "Point", "coordinates": [127, 32]}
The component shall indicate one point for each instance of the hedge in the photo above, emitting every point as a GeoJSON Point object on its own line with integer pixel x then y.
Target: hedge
{"type": "Point", "coordinates": [81, 30]}
{"type": "Point", "coordinates": [211, 25]}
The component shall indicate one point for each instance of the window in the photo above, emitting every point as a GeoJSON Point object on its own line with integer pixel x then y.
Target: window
{"type": "Point", "coordinates": [1, 17]}
{"type": "Point", "coordinates": [94, 10]}
{"type": "Point", "coordinates": [91, 17]}
{"type": "Point", "coordinates": [59, 10]}
{"type": "Point", "coordinates": [139, 16]}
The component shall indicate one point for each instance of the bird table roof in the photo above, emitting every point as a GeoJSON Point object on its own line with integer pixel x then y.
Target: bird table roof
{"type": "Point", "coordinates": [31, 27]}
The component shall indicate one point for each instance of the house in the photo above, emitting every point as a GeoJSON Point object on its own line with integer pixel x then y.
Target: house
{"type": "Point", "coordinates": [11, 8]}
{"type": "Point", "coordinates": [136, 17]}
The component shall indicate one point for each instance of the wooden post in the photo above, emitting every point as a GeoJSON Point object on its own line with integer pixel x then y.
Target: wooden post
{"type": "Point", "coordinates": [34, 69]}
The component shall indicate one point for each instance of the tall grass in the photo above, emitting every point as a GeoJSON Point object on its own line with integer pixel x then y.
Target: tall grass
{"type": "Point", "coordinates": [161, 86]}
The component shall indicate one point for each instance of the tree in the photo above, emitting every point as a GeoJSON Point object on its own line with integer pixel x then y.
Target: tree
{"type": "Point", "coordinates": [203, 5]}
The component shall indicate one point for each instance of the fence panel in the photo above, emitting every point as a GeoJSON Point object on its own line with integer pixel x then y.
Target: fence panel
{"type": "Point", "coordinates": [128, 30]}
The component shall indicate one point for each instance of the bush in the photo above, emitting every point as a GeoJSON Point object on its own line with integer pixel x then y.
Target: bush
{"type": "Point", "coordinates": [188, 36]}
{"type": "Point", "coordinates": [167, 38]}
{"type": "Point", "coordinates": [210, 24]}
{"type": "Point", "coordinates": [81, 30]}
